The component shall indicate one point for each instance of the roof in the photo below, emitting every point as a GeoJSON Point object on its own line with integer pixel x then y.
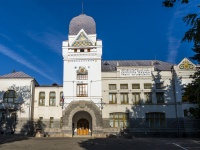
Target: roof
{"type": "Point", "coordinates": [110, 65]}
{"type": "Point", "coordinates": [84, 22]}
{"type": "Point", "coordinates": [19, 74]}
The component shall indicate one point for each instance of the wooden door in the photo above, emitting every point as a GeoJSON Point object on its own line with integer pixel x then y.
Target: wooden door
{"type": "Point", "coordinates": [83, 127]}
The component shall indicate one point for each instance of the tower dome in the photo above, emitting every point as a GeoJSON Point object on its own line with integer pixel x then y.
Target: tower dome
{"type": "Point", "coordinates": [84, 22]}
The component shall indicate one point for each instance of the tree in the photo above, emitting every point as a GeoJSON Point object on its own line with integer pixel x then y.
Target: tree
{"type": "Point", "coordinates": [192, 90]}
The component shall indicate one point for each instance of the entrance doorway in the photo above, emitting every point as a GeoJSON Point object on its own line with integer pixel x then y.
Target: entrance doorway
{"type": "Point", "coordinates": [83, 127]}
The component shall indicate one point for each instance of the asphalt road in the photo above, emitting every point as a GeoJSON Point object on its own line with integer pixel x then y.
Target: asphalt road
{"type": "Point", "coordinates": [30, 143]}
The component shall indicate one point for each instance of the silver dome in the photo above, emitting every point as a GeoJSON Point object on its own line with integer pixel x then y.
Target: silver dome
{"type": "Point", "coordinates": [84, 22]}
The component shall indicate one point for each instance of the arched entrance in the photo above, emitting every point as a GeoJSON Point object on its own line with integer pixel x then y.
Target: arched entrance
{"type": "Point", "coordinates": [82, 127]}
{"type": "Point", "coordinates": [82, 123]}
{"type": "Point", "coordinates": [78, 110]}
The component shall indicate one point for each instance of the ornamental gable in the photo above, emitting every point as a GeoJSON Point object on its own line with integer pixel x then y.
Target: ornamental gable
{"type": "Point", "coordinates": [82, 40]}
{"type": "Point", "coordinates": [185, 64]}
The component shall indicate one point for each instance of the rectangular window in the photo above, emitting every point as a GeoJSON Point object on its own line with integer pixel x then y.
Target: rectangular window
{"type": "Point", "coordinates": [123, 86]}
{"type": "Point", "coordinates": [10, 96]}
{"type": "Point", "coordinates": [41, 119]}
{"type": "Point", "coordinates": [119, 120]}
{"type": "Point", "coordinates": [40, 123]}
{"type": "Point", "coordinates": [160, 97]}
{"type": "Point", "coordinates": [112, 98]}
{"type": "Point", "coordinates": [61, 122]}
{"type": "Point", "coordinates": [112, 86]}
{"type": "Point", "coordinates": [185, 111]}
{"type": "Point", "coordinates": [52, 99]}
{"type": "Point", "coordinates": [61, 98]}
{"type": "Point", "coordinates": [82, 76]}
{"type": "Point", "coordinates": [155, 120]}
{"type": "Point", "coordinates": [124, 98]}
{"type": "Point", "coordinates": [136, 98]}
{"type": "Point", "coordinates": [41, 98]}
{"type": "Point", "coordinates": [51, 122]}
{"type": "Point", "coordinates": [88, 50]}
{"type": "Point", "coordinates": [147, 86]}
{"type": "Point", "coordinates": [81, 50]}
{"type": "Point", "coordinates": [135, 86]}
{"type": "Point", "coordinates": [82, 90]}
{"type": "Point", "coordinates": [75, 50]}
{"type": "Point", "coordinates": [159, 85]}
{"type": "Point", "coordinates": [148, 97]}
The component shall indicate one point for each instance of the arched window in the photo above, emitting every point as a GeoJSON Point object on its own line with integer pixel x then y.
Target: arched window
{"type": "Point", "coordinates": [41, 98]}
{"type": "Point", "coordinates": [10, 96]}
{"type": "Point", "coordinates": [52, 99]}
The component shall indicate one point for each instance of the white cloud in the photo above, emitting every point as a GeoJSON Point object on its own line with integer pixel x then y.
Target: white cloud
{"type": "Point", "coordinates": [51, 39]}
{"type": "Point", "coordinates": [6, 51]}
{"type": "Point", "coordinates": [174, 29]}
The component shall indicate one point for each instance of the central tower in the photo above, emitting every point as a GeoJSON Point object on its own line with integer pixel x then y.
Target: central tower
{"type": "Point", "coordinates": [82, 61]}
{"type": "Point", "coordinates": [82, 79]}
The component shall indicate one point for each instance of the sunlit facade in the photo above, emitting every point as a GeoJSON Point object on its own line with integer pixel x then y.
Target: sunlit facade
{"type": "Point", "coordinates": [98, 98]}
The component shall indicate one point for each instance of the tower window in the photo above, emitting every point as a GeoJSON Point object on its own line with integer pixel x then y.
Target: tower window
{"type": "Point", "coordinates": [82, 90]}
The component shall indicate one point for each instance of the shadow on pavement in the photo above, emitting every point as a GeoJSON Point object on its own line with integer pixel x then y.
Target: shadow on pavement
{"type": "Point", "coordinates": [106, 143]}
{"type": "Point", "coordinates": [12, 138]}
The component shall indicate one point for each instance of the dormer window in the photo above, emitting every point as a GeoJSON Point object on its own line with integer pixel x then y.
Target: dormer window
{"type": "Point", "coordinates": [106, 63]}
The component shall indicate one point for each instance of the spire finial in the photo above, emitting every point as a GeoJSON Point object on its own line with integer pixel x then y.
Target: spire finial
{"type": "Point", "coordinates": [82, 6]}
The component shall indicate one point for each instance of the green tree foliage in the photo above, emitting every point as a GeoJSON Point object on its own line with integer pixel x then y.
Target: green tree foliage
{"type": "Point", "coordinates": [170, 3]}
{"type": "Point", "coordinates": [192, 90]}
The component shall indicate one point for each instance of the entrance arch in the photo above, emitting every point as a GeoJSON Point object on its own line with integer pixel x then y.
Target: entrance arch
{"type": "Point", "coordinates": [77, 110]}
{"type": "Point", "coordinates": [82, 123]}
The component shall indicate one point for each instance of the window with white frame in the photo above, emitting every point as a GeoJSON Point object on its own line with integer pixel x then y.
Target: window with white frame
{"type": "Point", "coordinates": [112, 86]}
{"type": "Point", "coordinates": [135, 86]}
{"type": "Point", "coordinates": [51, 122]}
{"type": "Point", "coordinates": [112, 98]}
{"type": "Point", "coordinates": [9, 96]}
{"type": "Point", "coordinates": [61, 98]}
{"type": "Point", "coordinates": [41, 99]}
{"type": "Point", "coordinates": [123, 86]}
{"type": "Point", "coordinates": [124, 98]}
{"type": "Point", "coordinates": [82, 90]}
{"type": "Point", "coordinates": [61, 122]}
{"type": "Point", "coordinates": [147, 85]}
{"type": "Point", "coordinates": [136, 98]}
{"type": "Point", "coordinates": [52, 99]}
{"type": "Point", "coordinates": [148, 97]}
{"type": "Point", "coordinates": [119, 120]}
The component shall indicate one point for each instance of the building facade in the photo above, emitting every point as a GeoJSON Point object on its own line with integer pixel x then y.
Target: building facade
{"type": "Point", "coordinates": [98, 98]}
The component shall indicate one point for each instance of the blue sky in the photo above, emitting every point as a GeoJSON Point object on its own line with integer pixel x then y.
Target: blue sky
{"type": "Point", "coordinates": [32, 31]}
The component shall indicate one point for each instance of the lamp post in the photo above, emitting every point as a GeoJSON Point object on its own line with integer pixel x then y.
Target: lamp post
{"type": "Point", "coordinates": [174, 94]}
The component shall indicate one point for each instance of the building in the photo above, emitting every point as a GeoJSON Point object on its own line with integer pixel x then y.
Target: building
{"type": "Point", "coordinates": [98, 98]}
